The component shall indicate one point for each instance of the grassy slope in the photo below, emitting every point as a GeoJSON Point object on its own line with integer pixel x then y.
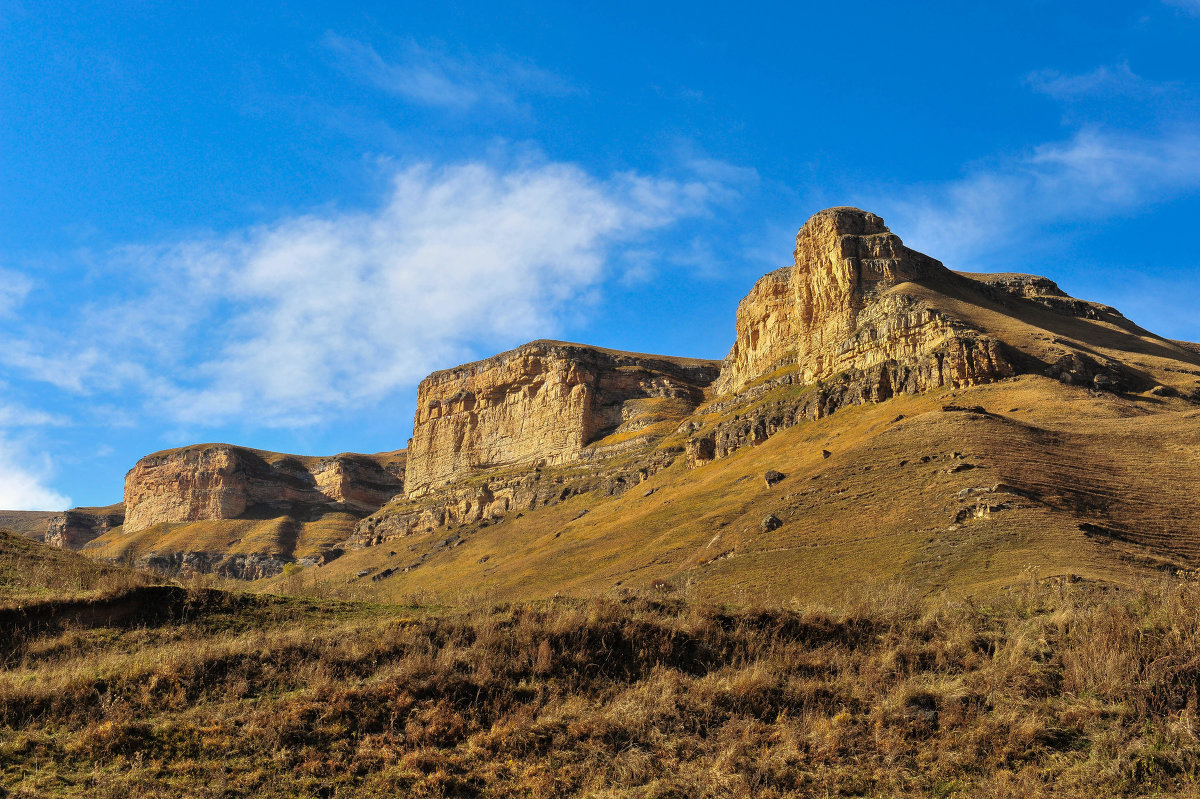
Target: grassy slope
{"type": "Point", "coordinates": [279, 535]}
{"type": "Point", "coordinates": [33, 572]}
{"type": "Point", "coordinates": [871, 512]}
{"type": "Point", "coordinates": [1051, 691]}
{"type": "Point", "coordinates": [1044, 333]}
{"type": "Point", "coordinates": [29, 523]}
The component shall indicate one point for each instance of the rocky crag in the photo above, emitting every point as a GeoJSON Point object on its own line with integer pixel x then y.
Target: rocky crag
{"type": "Point", "coordinates": [841, 308]}
{"type": "Point", "coordinates": [218, 481]}
{"type": "Point", "coordinates": [78, 526]}
{"type": "Point", "coordinates": [541, 405]}
{"type": "Point", "coordinates": [857, 318]}
{"type": "Point", "coordinates": [234, 511]}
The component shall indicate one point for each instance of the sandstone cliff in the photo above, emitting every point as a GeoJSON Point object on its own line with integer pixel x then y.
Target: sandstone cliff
{"type": "Point", "coordinates": [543, 404]}
{"type": "Point", "coordinates": [841, 307]}
{"type": "Point", "coordinates": [78, 526]}
{"type": "Point", "coordinates": [218, 481]}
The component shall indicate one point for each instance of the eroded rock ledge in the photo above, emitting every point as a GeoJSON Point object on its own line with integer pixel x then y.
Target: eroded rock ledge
{"type": "Point", "coordinates": [219, 481]}
{"type": "Point", "coordinates": [543, 404]}
{"type": "Point", "coordinates": [840, 308]}
{"type": "Point", "coordinates": [76, 527]}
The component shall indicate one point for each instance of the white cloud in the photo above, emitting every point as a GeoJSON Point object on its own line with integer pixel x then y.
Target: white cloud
{"type": "Point", "coordinates": [327, 312]}
{"type": "Point", "coordinates": [14, 287]}
{"type": "Point", "coordinates": [1092, 175]}
{"type": "Point", "coordinates": [23, 479]}
{"type": "Point", "coordinates": [17, 416]}
{"type": "Point", "coordinates": [429, 77]}
{"type": "Point", "coordinates": [1104, 81]}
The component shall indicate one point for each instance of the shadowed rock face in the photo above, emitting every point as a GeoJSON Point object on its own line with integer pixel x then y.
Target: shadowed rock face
{"type": "Point", "coordinates": [73, 529]}
{"type": "Point", "coordinates": [542, 404]}
{"type": "Point", "coordinates": [841, 307]}
{"type": "Point", "coordinates": [218, 481]}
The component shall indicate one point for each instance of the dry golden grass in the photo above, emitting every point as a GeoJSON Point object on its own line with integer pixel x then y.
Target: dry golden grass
{"type": "Point", "coordinates": [1052, 689]}
{"type": "Point", "coordinates": [282, 535]}
{"type": "Point", "coordinates": [30, 524]}
{"type": "Point", "coordinates": [31, 572]}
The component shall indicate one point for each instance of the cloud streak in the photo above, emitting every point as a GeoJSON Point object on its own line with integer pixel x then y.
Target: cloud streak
{"type": "Point", "coordinates": [1104, 81]}
{"type": "Point", "coordinates": [437, 79]}
{"type": "Point", "coordinates": [1094, 174]}
{"type": "Point", "coordinates": [14, 287]}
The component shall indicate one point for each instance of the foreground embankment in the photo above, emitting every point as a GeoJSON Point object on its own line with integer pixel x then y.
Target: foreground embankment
{"type": "Point", "coordinates": [1052, 689]}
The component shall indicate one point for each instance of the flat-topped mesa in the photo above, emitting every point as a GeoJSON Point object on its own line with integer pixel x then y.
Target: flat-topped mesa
{"type": "Point", "coordinates": [543, 404]}
{"type": "Point", "coordinates": [220, 481]}
{"type": "Point", "coordinates": [838, 309]}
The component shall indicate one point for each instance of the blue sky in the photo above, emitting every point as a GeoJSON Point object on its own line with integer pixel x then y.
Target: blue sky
{"type": "Point", "coordinates": [264, 222]}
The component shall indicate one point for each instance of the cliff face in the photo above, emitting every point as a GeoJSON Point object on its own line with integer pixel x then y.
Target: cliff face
{"type": "Point", "coordinates": [842, 307]}
{"type": "Point", "coordinates": [76, 527]}
{"type": "Point", "coordinates": [218, 481]}
{"type": "Point", "coordinates": [542, 404]}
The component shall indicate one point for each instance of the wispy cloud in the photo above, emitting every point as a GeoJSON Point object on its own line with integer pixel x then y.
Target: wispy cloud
{"type": "Point", "coordinates": [436, 78]}
{"type": "Point", "coordinates": [1092, 175]}
{"type": "Point", "coordinates": [1104, 81]}
{"type": "Point", "coordinates": [14, 287]}
{"type": "Point", "coordinates": [12, 415]}
{"type": "Point", "coordinates": [322, 313]}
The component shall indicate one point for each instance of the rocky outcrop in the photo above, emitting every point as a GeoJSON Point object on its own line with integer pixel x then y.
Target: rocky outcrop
{"type": "Point", "coordinates": [219, 481]}
{"type": "Point", "coordinates": [76, 527]}
{"type": "Point", "coordinates": [1042, 291]}
{"type": "Point", "coordinates": [543, 404]}
{"type": "Point", "coordinates": [253, 566]}
{"type": "Point", "coordinates": [490, 500]}
{"type": "Point", "coordinates": [842, 308]}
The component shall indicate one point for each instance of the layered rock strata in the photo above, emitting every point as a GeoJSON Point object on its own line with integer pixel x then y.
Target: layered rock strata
{"type": "Point", "coordinates": [218, 481]}
{"type": "Point", "coordinates": [76, 527]}
{"type": "Point", "coordinates": [493, 499]}
{"type": "Point", "coordinates": [253, 566]}
{"type": "Point", "coordinates": [841, 308]}
{"type": "Point", "coordinates": [543, 404]}
{"type": "Point", "coordinates": [1041, 290]}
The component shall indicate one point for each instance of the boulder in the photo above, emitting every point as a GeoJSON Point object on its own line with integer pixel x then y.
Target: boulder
{"type": "Point", "coordinates": [770, 522]}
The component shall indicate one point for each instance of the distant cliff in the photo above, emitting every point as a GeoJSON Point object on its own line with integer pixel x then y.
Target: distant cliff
{"type": "Point", "coordinates": [219, 481]}
{"type": "Point", "coordinates": [542, 404]}
{"type": "Point", "coordinates": [78, 526]}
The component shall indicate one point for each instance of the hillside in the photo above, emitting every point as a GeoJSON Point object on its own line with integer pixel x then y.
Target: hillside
{"type": "Point", "coordinates": [1054, 690]}
{"type": "Point", "coordinates": [32, 572]}
{"type": "Point", "coordinates": [922, 488]}
{"type": "Point", "coordinates": [29, 523]}
{"type": "Point", "coordinates": [955, 430]}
